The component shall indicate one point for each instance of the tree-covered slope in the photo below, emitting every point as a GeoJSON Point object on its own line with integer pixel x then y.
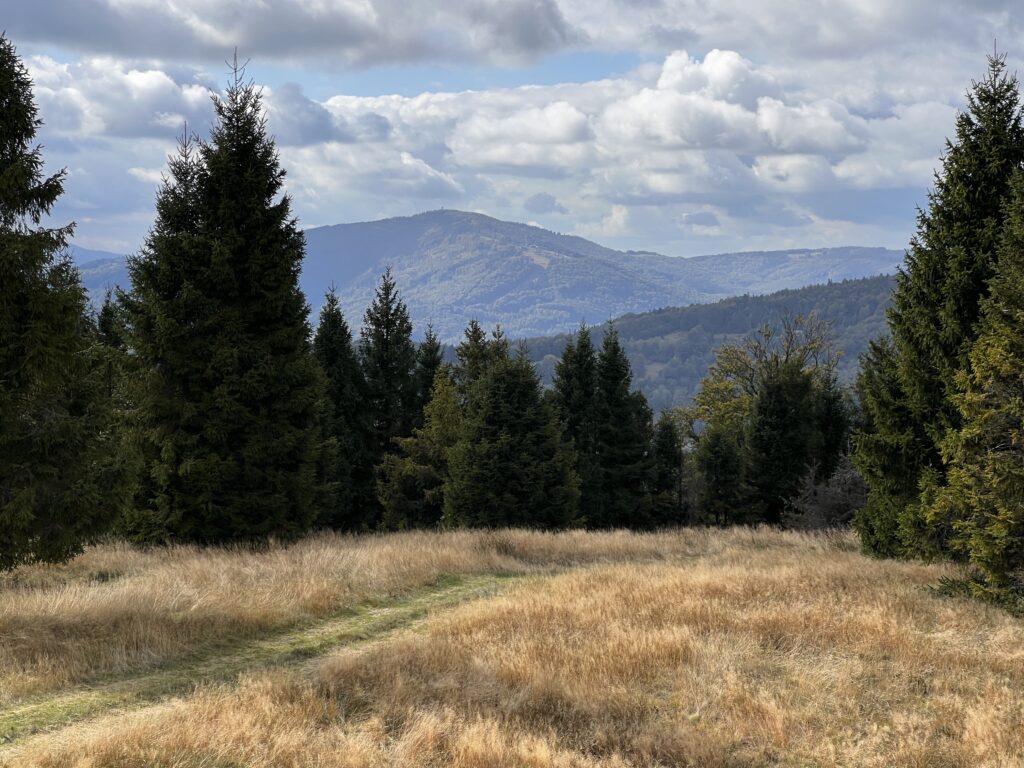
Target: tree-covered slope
{"type": "Point", "coordinates": [671, 349]}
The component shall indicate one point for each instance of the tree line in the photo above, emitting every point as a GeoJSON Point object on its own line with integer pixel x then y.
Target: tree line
{"type": "Point", "coordinates": [200, 405]}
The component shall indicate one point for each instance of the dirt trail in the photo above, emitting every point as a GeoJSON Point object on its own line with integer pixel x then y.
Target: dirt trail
{"type": "Point", "coordinates": [290, 648]}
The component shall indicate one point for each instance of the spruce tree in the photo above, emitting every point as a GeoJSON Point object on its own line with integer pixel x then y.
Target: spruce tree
{"type": "Point", "coordinates": [412, 482]}
{"type": "Point", "coordinates": [510, 466]}
{"type": "Point", "coordinates": [61, 482]}
{"type": "Point", "coordinates": [667, 483]}
{"type": "Point", "coordinates": [986, 455]}
{"type": "Point", "coordinates": [388, 358]}
{"type": "Point", "coordinates": [347, 420]}
{"type": "Point", "coordinates": [429, 359]}
{"type": "Point", "coordinates": [779, 440]}
{"type": "Point", "coordinates": [624, 429]}
{"type": "Point", "coordinates": [476, 354]}
{"type": "Point", "coordinates": [939, 290]}
{"type": "Point", "coordinates": [233, 394]}
{"type": "Point", "coordinates": [886, 450]}
{"type": "Point", "coordinates": [574, 394]}
{"type": "Point", "coordinates": [719, 460]}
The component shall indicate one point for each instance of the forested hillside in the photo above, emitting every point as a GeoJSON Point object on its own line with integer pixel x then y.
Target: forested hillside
{"type": "Point", "coordinates": [671, 349]}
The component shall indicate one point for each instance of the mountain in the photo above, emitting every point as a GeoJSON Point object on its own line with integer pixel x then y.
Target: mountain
{"type": "Point", "coordinates": [672, 349]}
{"type": "Point", "coordinates": [452, 266]}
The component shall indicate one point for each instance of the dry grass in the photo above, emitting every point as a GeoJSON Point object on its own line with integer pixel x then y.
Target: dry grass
{"type": "Point", "coordinates": [764, 649]}
{"type": "Point", "coordinates": [117, 609]}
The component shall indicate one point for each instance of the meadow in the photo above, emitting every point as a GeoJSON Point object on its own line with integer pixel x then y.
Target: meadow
{"type": "Point", "coordinates": [701, 647]}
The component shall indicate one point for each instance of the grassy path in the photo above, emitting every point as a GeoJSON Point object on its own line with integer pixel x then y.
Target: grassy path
{"type": "Point", "coordinates": [289, 648]}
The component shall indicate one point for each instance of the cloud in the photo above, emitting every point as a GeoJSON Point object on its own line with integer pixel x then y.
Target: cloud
{"type": "Point", "coordinates": [542, 202]}
{"type": "Point", "coordinates": [709, 150]}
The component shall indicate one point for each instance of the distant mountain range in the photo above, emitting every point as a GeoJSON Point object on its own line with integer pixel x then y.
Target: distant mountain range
{"type": "Point", "coordinates": [452, 266]}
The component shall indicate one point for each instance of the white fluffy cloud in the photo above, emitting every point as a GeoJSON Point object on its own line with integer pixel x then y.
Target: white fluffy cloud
{"type": "Point", "coordinates": [805, 122]}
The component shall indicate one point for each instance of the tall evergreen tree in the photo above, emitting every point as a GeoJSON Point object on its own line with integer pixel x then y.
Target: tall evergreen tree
{"type": "Point", "coordinates": [719, 460]}
{"type": "Point", "coordinates": [886, 450]}
{"type": "Point", "coordinates": [347, 420]}
{"type": "Point", "coordinates": [624, 430]}
{"type": "Point", "coordinates": [389, 365]}
{"type": "Point", "coordinates": [574, 394]}
{"type": "Point", "coordinates": [476, 354]}
{"type": "Point", "coordinates": [233, 398]}
{"type": "Point", "coordinates": [60, 478]}
{"type": "Point", "coordinates": [429, 359]}
{"type": "Point", "coordinates": [780, 439]}
{"type": "Point", "coordinates": [939, 291]}
{"type": "Point", "coordinates": [986, 455]}
{"type": "Point", "coordinates": [412, 482]}
{"type": "Point", "coordinates": [667, 484]}
{"type": "Point", "coordinates": [510, 466]}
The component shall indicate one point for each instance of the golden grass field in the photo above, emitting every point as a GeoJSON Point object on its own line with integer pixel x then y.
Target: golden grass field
{"type": "Point", "coordinates": [484, 649]}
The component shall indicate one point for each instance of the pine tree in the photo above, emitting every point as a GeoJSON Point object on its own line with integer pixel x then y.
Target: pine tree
{"type": "Point", "coordinates": [624, 429]}
{"type": "Point", "coordinates": [389, 365]}
{"type": "Point", "coordinates": [939, 291]}
{"type": "Point", "coordinates": [61, 481]}
{"type": "Point", "coordinates": [412, 482]}
{"type": "Point", "coordinates": [574, 394]}
{"type": "Point", "coordinates": [510, 466]}
{"type": "Point", "coordinates": [667, 484]}
{"type": "Point", "coordinates": [233, 398]}
{"type": "Point", "coordinates": [986, 455]}
{"type": "Point", "coordinates": [347, 420]}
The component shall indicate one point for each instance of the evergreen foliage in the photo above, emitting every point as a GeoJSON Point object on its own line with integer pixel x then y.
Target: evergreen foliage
{"type": "Point", "coordinates": [985, 495]}
{"type": "Point", "coordinates": [624, 432]}
{"type": "Point", "coordinates": [388, 358]}
{"type": "Point", "coordinates": [347, 421]}
{"type": "Point", "coordinates": [510, 466]}
{"type": "Point", "coordinates": [476, 354]}
{"type": "Point", "coordinates": [575, 398]}
{"type": "Point", "coordinates": [412, 481]}
{"type": "Point", "coordinates": [886, 450]}
{"type": "Point", "coordinates": [939, 292]}
{"type": "Point", "coordinates": [667, 483]}
{"type": "Point", "coordinates": [61, 478]}
{"type": "Point", "coordinates": [429, 359]}
{"type": "Point", "coordinates": [719, 461]}
{"type": "Point", "coordinates": [769, 413]}
{"type": "Point", "coordinates": [233, 393]}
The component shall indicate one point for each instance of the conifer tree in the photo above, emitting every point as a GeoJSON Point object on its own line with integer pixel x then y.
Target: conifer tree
{"type": "Point", "coordinates": [986, 455]}
{"type": "Point", "coordinates": [61, 482]}
{"type": "Point", "coordinates": [347, 420]}
{"type": "Point", "coordinates": [389, 365]}
{"type": "Point", "coordinates": [412, 482]}
{"type": "Point", "coordinates": [780, 440]}
{"type": "Point", "coordinates": [510, 466]}
{"type": "Point", "coordinates": [939, 291]}
{"type": "Point", "coordinates": [885, 452]}
{"type": "Point", "coordinates": [233, 394]}
{"type": "Point", "coordinates": [719, 460]}
{"type": "Point", "coordinates": [476, 354]}
{"type": "Point", "coordinates": [667, 484]}
{"type": "Point", "coordinates": [429, 359]}
{"type": "Point", "coordinates": [574, 394]}
{"type": "Point", "coordinates": [624, 429]}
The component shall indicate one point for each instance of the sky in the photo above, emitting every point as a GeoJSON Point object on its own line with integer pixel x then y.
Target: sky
{"type": "Point", "coordinates": [684, 127]}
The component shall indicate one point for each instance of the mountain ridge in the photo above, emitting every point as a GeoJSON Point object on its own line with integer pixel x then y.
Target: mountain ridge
{"type": "Point", "coordinates": [451, 266]}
